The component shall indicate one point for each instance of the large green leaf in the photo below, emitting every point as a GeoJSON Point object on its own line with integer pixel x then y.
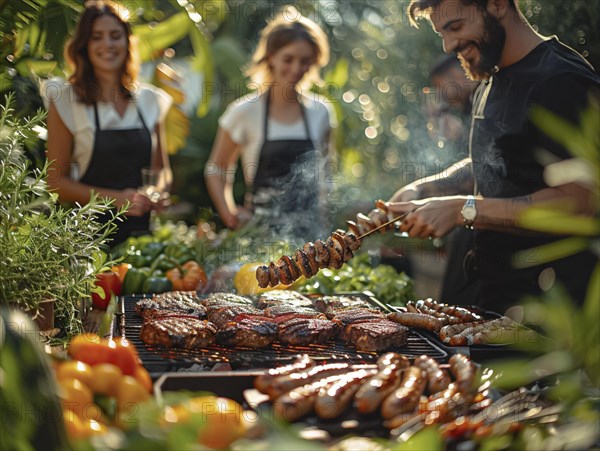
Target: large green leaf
{"type": "Point", "coordinates": [338, 76]}
{"type": "Point", "coordinates": [203, 61]}
{"type": "Point", "coordinates": [166, 33]}
{"type": "Point", "coordinates": [32, 66]}
{"type": "Point", "coordinates": [552, 220]}
{"type": "Point", "coordinates": [570, 136]}
{"type": "Point", "coordinates": [550, 252]}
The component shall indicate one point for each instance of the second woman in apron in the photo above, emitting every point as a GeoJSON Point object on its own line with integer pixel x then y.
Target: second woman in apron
{"type": "Point", "coordinates": [103, 126]}
{"type": "Point", "coordinates": [280, 133]}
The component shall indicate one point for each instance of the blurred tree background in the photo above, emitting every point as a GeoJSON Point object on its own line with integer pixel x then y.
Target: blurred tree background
{"type": "Point", "coordinates": [376, 80]}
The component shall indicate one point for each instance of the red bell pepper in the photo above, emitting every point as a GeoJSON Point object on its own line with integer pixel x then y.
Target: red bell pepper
{"type": "Point", "coordinates": [106, 284]}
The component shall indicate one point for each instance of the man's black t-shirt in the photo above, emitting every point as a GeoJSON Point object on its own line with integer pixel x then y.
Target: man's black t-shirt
{"type": "Point", "coordinates": [509, 155]}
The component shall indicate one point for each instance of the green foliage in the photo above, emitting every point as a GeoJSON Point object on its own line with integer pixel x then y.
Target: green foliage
{"type": "Point", "coordinates": [359, 275]}
{"type": "Point", "coordinates": [583, 142]}
{"type": "Point", "coordinates": [49, 252]}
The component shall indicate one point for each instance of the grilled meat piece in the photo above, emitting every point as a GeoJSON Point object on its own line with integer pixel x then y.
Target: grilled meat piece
{"type": "Point", "coordinates": [262, 276]}
{"type": "Point", "coordinates": [327, 304]}
{"type": "Point", "coordinates": [282, 297]}
{"type": "Point", "coordinates": [332, 253]}
{"type": "Point", "coordinates": [249, 331]}
{"type": "Point", "coordinates": [378, 335]}
{"type": "Point", "coordinates": [358, 315]}
{"type": "Point", "coordinates": [285, 309]}
{"type": "Point", "coordinates": [222, 315]}
{"type": "Point", "coordinates": [222, 299]}
{"type": "Point", "coordinates": [179, 331]}
{"type": "Point", "coordinates": [178, 302]}
{"type": "Point", "coordinates": [299, 331]}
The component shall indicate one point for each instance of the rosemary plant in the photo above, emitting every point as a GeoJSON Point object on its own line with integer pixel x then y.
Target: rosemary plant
{"type": "Point", "coordinates": [48, 251]}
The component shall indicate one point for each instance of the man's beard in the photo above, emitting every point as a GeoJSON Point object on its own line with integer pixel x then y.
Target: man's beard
{"type": "Point", "coordinates": [490, 49]}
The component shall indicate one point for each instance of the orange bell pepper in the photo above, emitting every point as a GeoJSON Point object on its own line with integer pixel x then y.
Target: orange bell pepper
{"type": "Point", "coordinates": [121, 270]}
{"type": "Point", "coordinates": [190, 276]}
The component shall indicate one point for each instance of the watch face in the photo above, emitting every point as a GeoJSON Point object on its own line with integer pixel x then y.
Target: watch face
{"type": "Point", "coordinates": [469, 213]}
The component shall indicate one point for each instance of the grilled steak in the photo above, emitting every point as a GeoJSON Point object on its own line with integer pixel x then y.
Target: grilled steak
{"type": "Point", "coordinates": [285, 297]}
{"type": "Point", "coordinates": [178, 331]}
{"type": "Point", "coordinates": [222, 315]}
{"type": "Point", "coordinates": [178, 302]}
{"type": "Point", "coordinates": [377, 335]}
{"type": "Point", "coordinates": [357, 316]}
{"type": "Point", "coordinates": [222, 299]}
{"type": "Point", "coordinates": [249, 331]}
{"type": "Point", "coordinates": [278, 310]}
{"type": "Point", "coordinates": [327, 304]}
{"type": "Point", "coordinates": [298, 331]}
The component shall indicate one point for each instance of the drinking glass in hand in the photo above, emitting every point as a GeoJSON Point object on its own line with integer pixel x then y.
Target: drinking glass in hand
{"type": "Point", "coordinates": [149, 186]}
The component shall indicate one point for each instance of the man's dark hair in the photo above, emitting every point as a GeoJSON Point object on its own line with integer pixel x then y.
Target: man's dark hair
{"type": "Point", "coordinates": [417, 9]}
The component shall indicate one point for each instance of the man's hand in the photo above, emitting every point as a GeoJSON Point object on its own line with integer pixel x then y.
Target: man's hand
{"type": "Point", "coordinates": [434, 217]}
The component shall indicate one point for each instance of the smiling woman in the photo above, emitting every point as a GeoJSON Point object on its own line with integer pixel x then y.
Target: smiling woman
{"type": "Point", "coordinates": [104, 126]}
{"type": "Point", "coordinates": [281, 133]}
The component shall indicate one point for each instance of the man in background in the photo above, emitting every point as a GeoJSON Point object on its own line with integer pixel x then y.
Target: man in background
{"type": "Point", "coordinates": [448, 122]}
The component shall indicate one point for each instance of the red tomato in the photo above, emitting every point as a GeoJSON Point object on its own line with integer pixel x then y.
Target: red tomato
{"type": "Point", "coordinates": [123, 355]}
{"type": "Point", "coordinates": [109, 283]}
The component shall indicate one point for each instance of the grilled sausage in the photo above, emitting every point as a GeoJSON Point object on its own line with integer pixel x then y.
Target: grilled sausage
{"type": "Point", "coordinates": [464, 371]}
{"type": "Point", "coordinates": [284, 384]}
{"type": "Point", "coordinates": [418, 320]}
{"type": "Point", "coordinates": [437, 378]}
{"type": "Point", "coordinates": [454, 329]}
{"type": "Point", "coordinates": [300, 400]}
{"type": "Point", "coordinates": [393, 358]}
{"type": "Point", "coordinates": [264, 381]}
{"type": "Point", "coordinates": [406, 398]}
{"type": "Point", "coordinates": [333, 399]}
{"type": "Point", "coordinates": [377, 388]}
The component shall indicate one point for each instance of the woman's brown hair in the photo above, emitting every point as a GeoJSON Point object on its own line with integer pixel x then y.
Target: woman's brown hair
{"type": "Point", "coordinates": [289, 26]}
{"type": "Point", "coordinates": [76, 53]}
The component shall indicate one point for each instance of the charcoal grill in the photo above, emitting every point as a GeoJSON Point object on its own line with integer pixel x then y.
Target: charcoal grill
{"type": "Point", "coordinates": [160, 360]}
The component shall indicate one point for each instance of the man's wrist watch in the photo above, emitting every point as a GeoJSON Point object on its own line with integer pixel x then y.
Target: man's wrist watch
{"type": "Point", "coordinates": [469, 212]}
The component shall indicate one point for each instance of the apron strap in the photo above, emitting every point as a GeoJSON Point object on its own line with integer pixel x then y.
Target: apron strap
{"type": "Point", "coordinates": [266, 120]}
{"type": "Point", "coordinates": [96, 121]}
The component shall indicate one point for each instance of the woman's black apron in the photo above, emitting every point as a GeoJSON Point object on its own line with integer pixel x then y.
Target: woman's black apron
{"type": "Point", "coordinates": [286, 185]}
{"type": "Point", "coordinates": [118, 157]}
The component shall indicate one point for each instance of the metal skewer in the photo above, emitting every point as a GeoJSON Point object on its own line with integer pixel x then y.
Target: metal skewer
{"type": "Point", "coordinates": [399, 218]}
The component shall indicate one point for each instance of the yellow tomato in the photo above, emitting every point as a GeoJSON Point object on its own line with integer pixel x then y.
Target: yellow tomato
{"type": "Point", "coordinates": [75, 396]}
{"type": "Point", "coordinates": [130, 392]}
{"type": "Point", "coordinates": [220, 420]}
{"type": "Point", "coordinates": [105, 379]}
{"type": "Point", "coordinates": [94, 427]}
{"type": "Point", "coordinates": [74, 369]}
{"type": "Point", "coordinates": [142, 376]}
{"type": "Point", "coordinates": [76, 430]}
{"type": "Point", "coordinates": [245, 281]}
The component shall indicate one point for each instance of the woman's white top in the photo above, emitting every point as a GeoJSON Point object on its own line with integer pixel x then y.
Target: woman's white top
{"type": "Point", "coordinates": [244, 118]}
{"type": "Point", "coordinates": [152, 102]}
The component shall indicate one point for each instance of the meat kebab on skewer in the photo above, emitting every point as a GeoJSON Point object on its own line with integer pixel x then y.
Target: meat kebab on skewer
{"type": "Point", "coordinates": [331, 253]}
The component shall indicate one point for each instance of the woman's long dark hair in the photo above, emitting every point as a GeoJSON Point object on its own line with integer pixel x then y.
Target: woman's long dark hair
{"type": "Point", "coordinates": [76, 53]}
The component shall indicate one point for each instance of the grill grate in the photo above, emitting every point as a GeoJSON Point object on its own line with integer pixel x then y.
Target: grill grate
{"type": "Point", "coordinates": [161, 360]}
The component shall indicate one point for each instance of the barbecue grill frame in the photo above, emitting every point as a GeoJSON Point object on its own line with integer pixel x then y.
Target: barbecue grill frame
{"type": "Point", "coordinates": [162, 360]}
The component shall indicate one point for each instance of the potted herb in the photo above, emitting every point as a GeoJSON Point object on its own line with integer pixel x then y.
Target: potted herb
{"type": "Point", "coordinates": [49, 252]}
